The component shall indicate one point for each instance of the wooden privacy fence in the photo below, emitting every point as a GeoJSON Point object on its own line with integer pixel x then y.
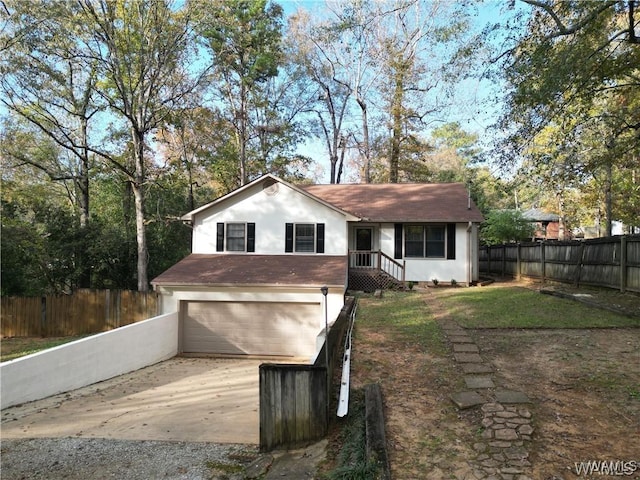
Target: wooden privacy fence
{"type": "Point", "coordinates": [612, 262]}
{"type": "Point", "coordinates": [83, 312]}
{"type": "Point", "coordinates": [295, 398]}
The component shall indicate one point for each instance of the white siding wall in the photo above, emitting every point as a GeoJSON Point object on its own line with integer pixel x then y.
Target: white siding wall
{"type": "Point", "coordinates": [387, 239]}
{"type": "Point", "coordinates": [426, 269]}
{"type": "Point", "coordinates": [270, 213]}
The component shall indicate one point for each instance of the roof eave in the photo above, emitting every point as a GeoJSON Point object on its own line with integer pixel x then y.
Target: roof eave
{"type": "Point", "coordinates": [421, 220]}
{"type": "Point", "coordinates": [188, 217]}
{"type": "Point", "coordinates": [245, 285]}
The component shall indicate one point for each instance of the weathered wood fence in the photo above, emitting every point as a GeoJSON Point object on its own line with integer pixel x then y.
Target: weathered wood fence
{"type": "Point", "coordinates": [612, 262]}
{"type": "Point", "coordinates": [295, 398]}
{"type": "Point", "coordinates": [83, 312]}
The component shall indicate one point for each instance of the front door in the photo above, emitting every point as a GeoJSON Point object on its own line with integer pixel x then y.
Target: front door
{"type": "Point", "coordinates": [364, 245]}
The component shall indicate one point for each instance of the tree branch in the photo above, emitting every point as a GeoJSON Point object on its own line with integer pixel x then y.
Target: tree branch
{"type": "Point", "coordinates": [562, 29]}
{"type": "Point", "coordinates": [632, 26]}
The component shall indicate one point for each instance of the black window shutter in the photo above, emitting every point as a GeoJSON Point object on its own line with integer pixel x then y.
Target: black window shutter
{"type": "Point", "coordinates": [220, 238]}
{"type": "Point", "coordinates": [397, 250]}
{"type": "Point", "coordinates": [320, 238]}
{"type": "Point", "coordinates": [251, 237]}
{"type": "Point", "coordinates": [451, 241]}
{"type": "Point", "coordinates": [288, 238]}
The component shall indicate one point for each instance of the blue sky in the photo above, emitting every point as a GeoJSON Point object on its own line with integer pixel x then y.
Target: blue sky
{"type": "Point", "coordinates": [478, 102]}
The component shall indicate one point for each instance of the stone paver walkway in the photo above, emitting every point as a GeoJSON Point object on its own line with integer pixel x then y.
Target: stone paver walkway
{"type": "Point", "coordinates": [503, 452]}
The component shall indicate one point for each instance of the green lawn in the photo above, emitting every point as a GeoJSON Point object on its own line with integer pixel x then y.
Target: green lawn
{"type": "Point", "coordinates": [407, 314]}
{"type": "Point", "coordinates": [518, 307]}
{"type": "Point", "coordinates": [17, 347]}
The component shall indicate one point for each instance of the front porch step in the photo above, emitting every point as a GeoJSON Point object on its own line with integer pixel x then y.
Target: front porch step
{"type": "Point", "coordinates": [372, 280]}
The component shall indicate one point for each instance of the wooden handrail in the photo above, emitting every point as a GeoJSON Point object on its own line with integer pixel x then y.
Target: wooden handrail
{"type": "Point", "coordinates": [377, 260]}
{"type": "Point", "coordinates": [392, 260]}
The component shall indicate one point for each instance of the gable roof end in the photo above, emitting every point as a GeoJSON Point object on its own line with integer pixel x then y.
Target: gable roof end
{"type": "Point", "coordinates": [264, 179]}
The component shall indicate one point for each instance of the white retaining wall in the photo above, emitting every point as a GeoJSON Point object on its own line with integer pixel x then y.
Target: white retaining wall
{"type": "Point", "coordinates": [89, 360]}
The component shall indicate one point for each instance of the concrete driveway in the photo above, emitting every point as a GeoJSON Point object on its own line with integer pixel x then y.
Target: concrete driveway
{"type": "Point", "coordinates": [182, 399]}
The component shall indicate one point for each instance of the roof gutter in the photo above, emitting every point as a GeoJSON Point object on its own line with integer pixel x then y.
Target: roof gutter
{"type": "Point", "coordinates": [287, 286]}
{"type": "Point", "coordinates": [469, 256]}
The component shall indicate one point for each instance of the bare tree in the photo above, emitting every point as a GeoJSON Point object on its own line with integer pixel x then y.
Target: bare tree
{"type": "Point", "coordinates": [45, 81]}
{"type": "Point", "coordinates": [140, 50]}
{"type": "Point", "coordinates": [313, 51]}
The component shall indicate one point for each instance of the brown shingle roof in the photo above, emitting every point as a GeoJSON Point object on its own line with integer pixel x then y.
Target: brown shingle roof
{"type": "Point", "coordinates": [219, 269]}
{"type": "Point", "coordinates": [401, 202]}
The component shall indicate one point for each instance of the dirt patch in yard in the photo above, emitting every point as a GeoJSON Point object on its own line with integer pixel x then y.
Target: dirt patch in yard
{"type": "Point", "coordinates": [427, 437]}
{"type": "Point", "coordinates": [627, 303]}
{"type": "Point", "coordinates": [584, 385]}
{"type": "Point", "coordinates": [585, 392]}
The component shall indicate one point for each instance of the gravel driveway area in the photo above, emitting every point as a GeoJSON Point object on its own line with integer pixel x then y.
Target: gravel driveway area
{"type": "Point", "coordinates": [94, 458]}
{"type": "Point", "coordinates": [186, 418]}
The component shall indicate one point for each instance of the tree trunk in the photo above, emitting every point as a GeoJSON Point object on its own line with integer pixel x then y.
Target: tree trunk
{"type": "Point", "coordinates": [608, 200]}
{"type": "Point", "coordinates": [138, 192]}
{"type": "Point", "coordinates": [84, 177]}
{"type": "Point", "coordinates": [366, 149]}
{"type": "Point", "coordinates": [343, 145]}
{"type": "Point", "coordinates": [334, 163]}
{"type": "Point", "coordinates": [82, 186]}
{"type": "Point", "coordinates": [396, 136]}
{"type": "Point", "coordinates": [141, 237]}
{"type": "Point", "coordinates": [243, 135]}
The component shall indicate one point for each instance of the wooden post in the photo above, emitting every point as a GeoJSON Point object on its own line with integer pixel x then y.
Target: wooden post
{"type": "Point", "coordinates": [118, 307]}
{"type": "Point", "coordinates": [518, 261]}
{"type": "Point", "coordinates": [43, 316]}
{"type": "Point", "coordinates": [542, 261]}
{"type": "Point", "coordinates": [504, 259]}
{"type": "Point", "coordinates": [107, 310]}
{"type": "Point", "coordinates": [375, 442]}
{"type": "Point", "coordinates": [623, 264]}
{"type": "Point", "coordinates": [579, 265]}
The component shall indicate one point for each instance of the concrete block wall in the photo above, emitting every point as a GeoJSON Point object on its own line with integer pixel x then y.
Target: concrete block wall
{"type": "Point", "coordinates": [88, 360]}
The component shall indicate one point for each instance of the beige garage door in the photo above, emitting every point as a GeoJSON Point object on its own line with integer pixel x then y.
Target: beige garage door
{"type": "Point", "coordinates": [251, 328]}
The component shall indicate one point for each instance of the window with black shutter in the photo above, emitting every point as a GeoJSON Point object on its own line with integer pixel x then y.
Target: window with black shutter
{"type": "Point", "coordinates": [451, 241]}
{"type": "Point", "coordinates": [236, 237]}
{"type": "Point", "coordinates": [304, 238]}
{"type": "Point", "coordinates": [424, 241]}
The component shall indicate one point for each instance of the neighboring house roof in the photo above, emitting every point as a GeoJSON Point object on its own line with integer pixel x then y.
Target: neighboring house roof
{"type": "Point", "coordinates": [263, 270]}
{"type": "Point", "coordinates": [401, 202]}
{"type": "Point", "coordinates": [537, 215]}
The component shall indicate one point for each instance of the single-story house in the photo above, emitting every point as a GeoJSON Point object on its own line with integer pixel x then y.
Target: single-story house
{"type": "Point", "coordinates": [262, 253]}
{"type": "Point", "coordinates": [547, 225]}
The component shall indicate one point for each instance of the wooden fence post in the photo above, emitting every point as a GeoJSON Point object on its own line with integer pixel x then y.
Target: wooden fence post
{"type": "Point", "coordinates": [118, 308]}
{"type": "Point", "coordinates": [504, 259]}
{"type": "Point", "coordinates": [43, 316]}
{"type": "Point", "coordinates": [518, 261]}
{"type": "Point", "coordinates": [623, 263]}
{"type": "Point", "coordinates": [579, 265]}
{"type": "Point", "coordinates": [107, 308]}
{"type": "Point", "coordinates": [542, 261]}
